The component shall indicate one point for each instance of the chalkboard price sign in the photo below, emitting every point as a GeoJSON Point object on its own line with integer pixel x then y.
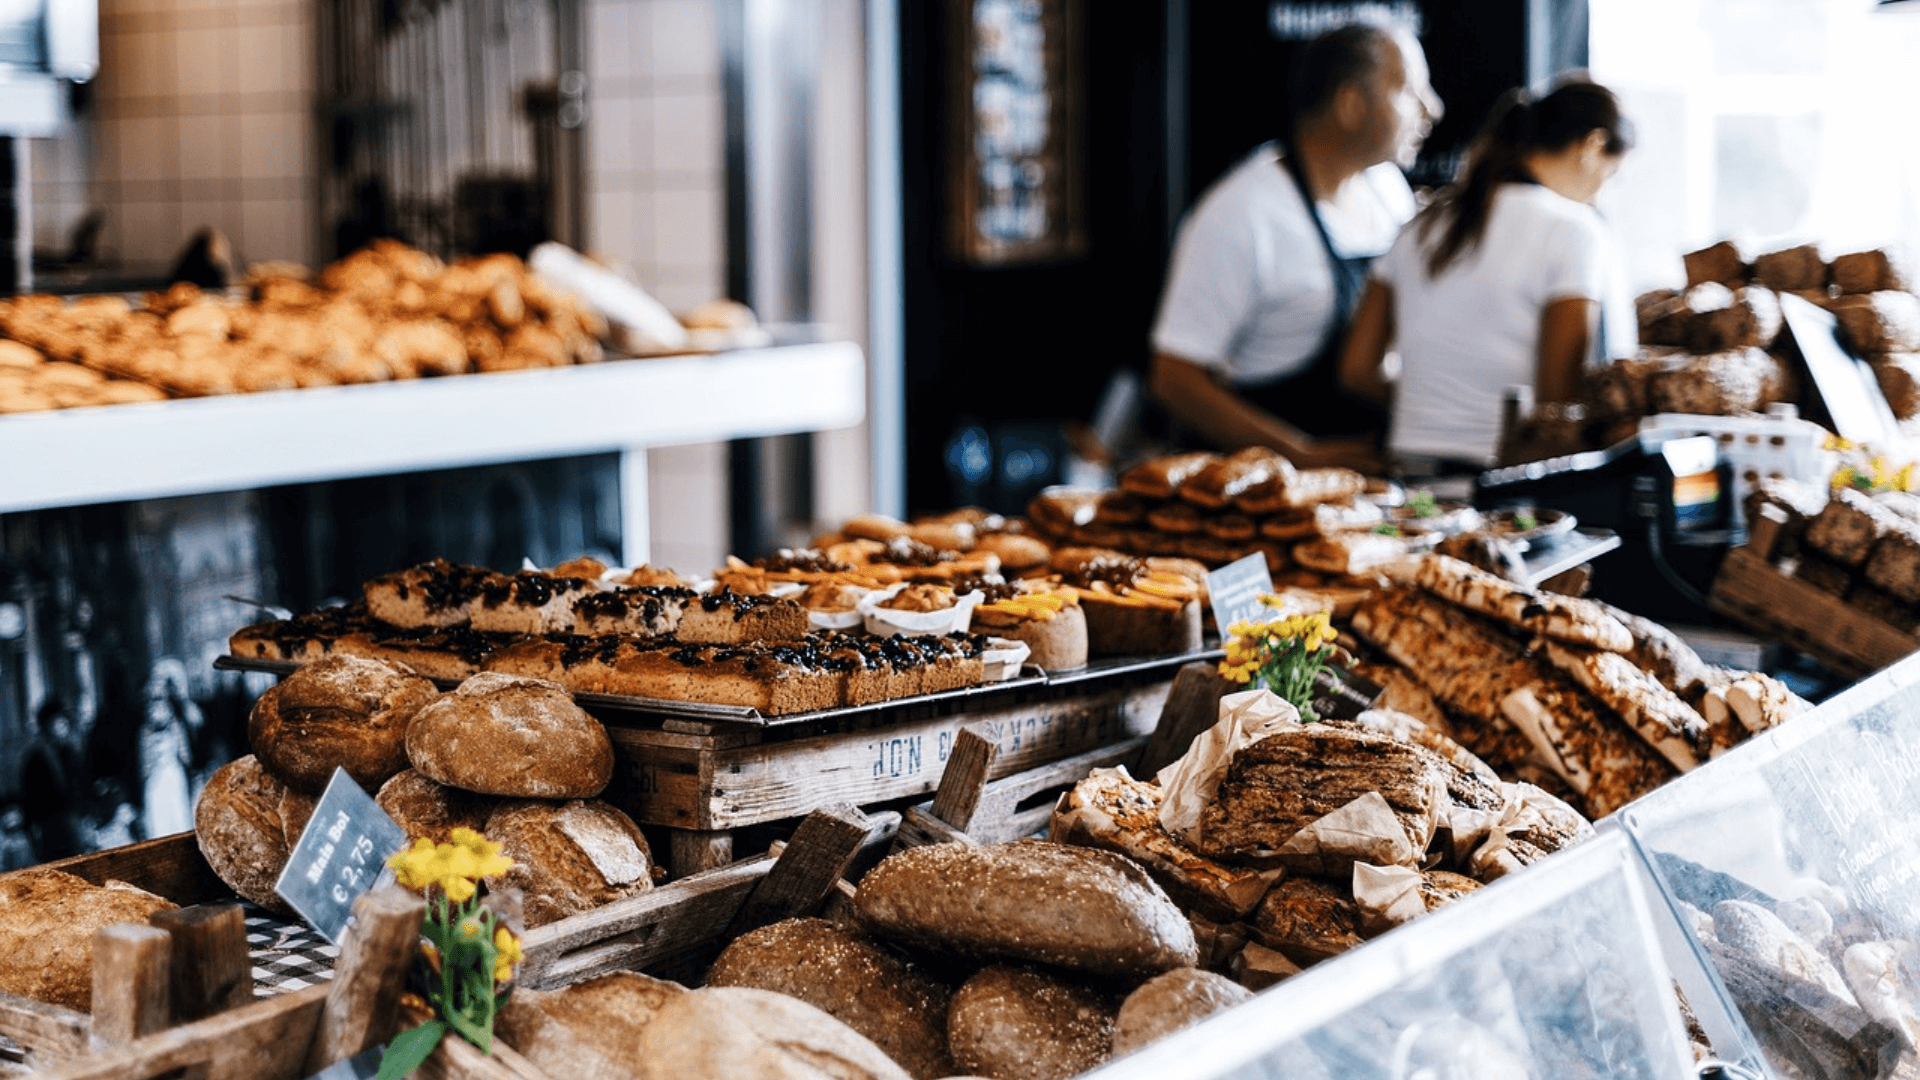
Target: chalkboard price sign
{"type": "Point", "coordinates": [1235, 590]}
{"type": "Point", "coordinates": [342, 854]}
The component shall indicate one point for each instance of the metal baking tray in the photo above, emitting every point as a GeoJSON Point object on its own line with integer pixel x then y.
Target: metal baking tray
{"type": "Point", "coordinates": [1030, 677]}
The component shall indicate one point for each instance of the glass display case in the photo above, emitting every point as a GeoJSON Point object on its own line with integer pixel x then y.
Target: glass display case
{"type": "Point", "coordinates": [1792, 867]}
{"type": "Point", "coordinates": [1552, 973]}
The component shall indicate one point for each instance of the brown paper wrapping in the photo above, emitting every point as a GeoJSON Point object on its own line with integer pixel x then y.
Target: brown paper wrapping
{"type": "Point", "coordinates": [1188, 784]}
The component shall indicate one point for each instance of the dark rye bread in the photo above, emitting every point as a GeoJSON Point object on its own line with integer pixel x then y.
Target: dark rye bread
{"type": "Point", "coordinates": [1048, 903]}
{"type": "Point", "coordinates": [864, 985]}
{"type": "Point", "coordinates": [506, 735]}
{"type": "Point", "coordinates": [1307, 920]}
{"type": "Point", "coordinates": [1287, 781]}
{"type": "Point", "coordinates": [1169, 1002]}
{"type": "Point", "coordinates": [570, 857]}
{"type": "Point", "coordinates": [1017, 1023]}
{"type": "Point", "coordinates": [47, 922]}
{"type": "Point", "coordinates": [337, 712]}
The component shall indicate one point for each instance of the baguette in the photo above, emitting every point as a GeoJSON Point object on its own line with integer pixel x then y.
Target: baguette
{"type": "Point", "coordinates": [1656, 714]}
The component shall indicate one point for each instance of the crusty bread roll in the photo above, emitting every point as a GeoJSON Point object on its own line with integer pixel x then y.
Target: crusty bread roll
{"type": "Point", "coordinates": [342, 711]}
{"type": "Point", "coordinates": [509, 735]}
{"type": "Point", "coordinates": [1168, 1002]}
{"type": "Point", "coordinates": [571, 857]}
{"type": "Point", "coordinates": [587, 1031]}
{"type": "Point", "coordinates": [853, 979]}
{"type": "Point", "coordinates": [246, 824]}
{"type": "Point", "coordinates": [739, 1033]}
{"type": "Point", "coordinates": [1017, 553]}
{"type": "Point", "coordinates": [1014, 1023]}
{"type": "Point", "coordinates": [47, 921]}
{"type": "Point", "coordinates": [1032, 900]}
{"type": "Point", "coordinates": [430, 810]}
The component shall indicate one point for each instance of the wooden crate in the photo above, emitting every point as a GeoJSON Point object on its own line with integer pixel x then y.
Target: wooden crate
{"type": "Point", "coordinates": [1751, 592]}
{"type": "Point", "coordinates": [703, 781]}
{"type": "Point", "coordinates": [665, 931]}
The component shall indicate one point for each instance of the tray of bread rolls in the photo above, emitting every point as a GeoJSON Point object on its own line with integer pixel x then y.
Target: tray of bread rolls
{"type": "Point", "coordinates": [796, 638]}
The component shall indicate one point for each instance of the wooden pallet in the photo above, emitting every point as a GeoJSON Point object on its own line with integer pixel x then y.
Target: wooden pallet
{"type": "Point", "coordinates": [1751, 592]}
{"type": "Point", "coordinates": [705, 781]}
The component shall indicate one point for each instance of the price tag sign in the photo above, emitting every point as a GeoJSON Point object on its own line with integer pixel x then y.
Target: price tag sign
{"type": "Point", "coordinates": [1236, 589]}
{"type": "Point", "coordinates": [1339, 694]}
{"type": "Point", "coordinates": [342, 854]}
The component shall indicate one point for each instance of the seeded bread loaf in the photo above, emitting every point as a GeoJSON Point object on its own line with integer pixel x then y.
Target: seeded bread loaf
{"type": "Point", "coordinates": [1015, 1023]}
{"type": "Point", "coordinates": [586, 1031]}
{"type": "Point", "coordinates": [739, 1033]}
{"type": "Point", "coordinates": [432, 810]}
{"type": "Point", "coordinates": [1169, 1002]}
{"type": "Point", "coordinates": [869, 988]}
{"type": "Point", "coordinates": [1029, 900]}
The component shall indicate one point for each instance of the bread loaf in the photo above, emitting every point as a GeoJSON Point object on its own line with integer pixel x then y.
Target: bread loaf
{"type": "Point", "coordinates": [1015, 1023]}
{"type": "Point", "coordinates": [246, 824]}
{"type": "Point", "coordinates": [1287, 781]}
{"type": "Point", "coordinates": [586, 1031]}
{"type": "Point", "coordinates": [427, 809]}
{"type": "Point", "coordinates": [1793, 269]}
{"type": "Point", "coordinates": [1308, 920]}
{"type": "Point", "coordinates": [1722, 262]}
{"type": "Point", "coordinates": [1880, 322]}
{"type": "Point", "coordinates": [851, 978]}
{"type": "Point", "coordinates": [571, 857]}
{"type": "Point", "coordinates": [1848, 527]}
{"type": "Point", "coordinates": [1899, 377]}
{"type": "Point", "coordinates": [739, 1033]}
{"type": "Point", "coordinates": [47, 921]}
{"type": "Point", "coordinates": [338, 712]}
{"type": "Point", "coordinates": [1865, 272]}
{"type": "Point", "coordinates": [1169, 1002]}
{"type": "Point", "coordinates": [505, 735]}
{"type": "Point", "coordinates": [1029, 900]}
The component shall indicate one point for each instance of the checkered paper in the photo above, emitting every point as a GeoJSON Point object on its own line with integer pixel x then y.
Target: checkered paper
{"type": "Point", "coordinates": [287, 955]}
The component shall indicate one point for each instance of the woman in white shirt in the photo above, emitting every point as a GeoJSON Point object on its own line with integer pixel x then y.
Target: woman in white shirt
{"type": "Point", "coordinates": [1500, 282]}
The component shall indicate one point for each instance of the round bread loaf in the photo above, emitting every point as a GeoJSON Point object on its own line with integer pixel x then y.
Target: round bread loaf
{"type": "Point", "coordinates": [510, 735]}
{"type": "Point", "coordinates": [1171, 1001]}
{"type": "Point", "coordinates": [341, 711]}
{"type": "Point", "coordinates": [47, 921]}
{"type": "Point", "coordinates": [588, 1030]}
{"type": "Point", "coordinates": [1014, 1023]}
{"type": "Point", "coordinates": [246, 824]}
{"type": "Point", "coordinates": [1050, 903]}
{"type": "Point", "coordinates": [851, 978]}
{"type": "Point", "coordinates": [739, 1033]}
{"type": "Point", "coordinates": [570, 857]}
{"type": "Point", "coordinates": [432, 810]}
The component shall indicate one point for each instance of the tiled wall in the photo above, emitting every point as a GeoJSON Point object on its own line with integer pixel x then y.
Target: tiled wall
{"type": "Point", "coordinates": [203, 116]}
{"type": "Point", "coordinates": [656, 171]}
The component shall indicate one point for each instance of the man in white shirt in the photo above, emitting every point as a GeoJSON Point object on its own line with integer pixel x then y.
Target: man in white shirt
{"type": "Point", "coordinates": [1269, 263]}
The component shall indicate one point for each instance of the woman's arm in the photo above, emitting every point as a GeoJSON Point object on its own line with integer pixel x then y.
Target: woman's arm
{"type": "Point", "coordinates": [1567, 330]}
{"type": "Point", "coordinates": [1227, 420]}
{"type": "Point", "coordinates": [1362, 360]}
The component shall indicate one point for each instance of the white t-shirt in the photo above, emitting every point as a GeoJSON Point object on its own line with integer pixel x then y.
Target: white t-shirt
{"type": "Point", "coordinates": [1467, 335]}
{"type": "Point", "coordinates": [1249, 291]}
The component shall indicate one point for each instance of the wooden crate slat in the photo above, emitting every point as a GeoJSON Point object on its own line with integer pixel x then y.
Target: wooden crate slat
{"type": "Point", "coordinates": [266, 1040]}
{"type": "Point", "coordinates": [49, 1032]}
{"type": "Point", "coordinates": [747, 785]}
{"type": "Point", "coordinates": [167, 866]}
{"type": "Point", "coordinates": [1750, 591]}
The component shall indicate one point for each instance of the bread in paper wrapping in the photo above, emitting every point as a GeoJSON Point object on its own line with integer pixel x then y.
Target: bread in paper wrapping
{"type": "Point", "coordinates": [1188, 785]}
{"type": "Point", "coordinates": [1115, 812]}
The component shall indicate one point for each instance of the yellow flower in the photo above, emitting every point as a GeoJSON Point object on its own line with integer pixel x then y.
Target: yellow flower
{"type": "Point", "coordinates": [418, 866]}
{"type": "Point", "coordinates": [458, 889]}
{"type": "Point", "coordinates": [1903, 480]}
{"type": "Point", "coordinates": [487, 860]}
{"type": "Point", "coordinates": [508, 954]}
{"type": "Point", "coordinates": [470, 927]}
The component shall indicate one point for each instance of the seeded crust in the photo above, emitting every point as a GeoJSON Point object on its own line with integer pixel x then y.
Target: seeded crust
{"type": "Point", "coordinates": [424, 808]}
{"type": "Point", "coordinates": [1023, 1024]}
{"type": "Point", "coordinates": [856, 981]}
{"type": "Point", "coordinates": [1168, 1003]}
{"type": "Point", "coordinates": [1031, 900]}
{"type": "Point", "coordinates": [47, 922]}
{"type": "Point", "coordinates": [340, 711]}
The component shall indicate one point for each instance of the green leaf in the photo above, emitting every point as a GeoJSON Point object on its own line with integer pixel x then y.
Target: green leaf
{"type": "Point", "coordinates": [409, 1048]}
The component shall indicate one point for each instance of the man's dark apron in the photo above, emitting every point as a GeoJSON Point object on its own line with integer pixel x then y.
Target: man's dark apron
{"type": "Point", "coordinates": [1312, 399]}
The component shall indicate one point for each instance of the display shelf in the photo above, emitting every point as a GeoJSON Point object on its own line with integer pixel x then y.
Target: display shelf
{"type": "Point", "coordinates": [238, 442]}
{"type": "Point", "coordinates": [1555, 972]}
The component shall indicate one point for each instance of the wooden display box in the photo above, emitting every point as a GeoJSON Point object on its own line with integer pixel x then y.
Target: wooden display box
{"type": "Point", "coordinates": [1751, 592]}
{"type": "Point", "coordinates": [704, 780]}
